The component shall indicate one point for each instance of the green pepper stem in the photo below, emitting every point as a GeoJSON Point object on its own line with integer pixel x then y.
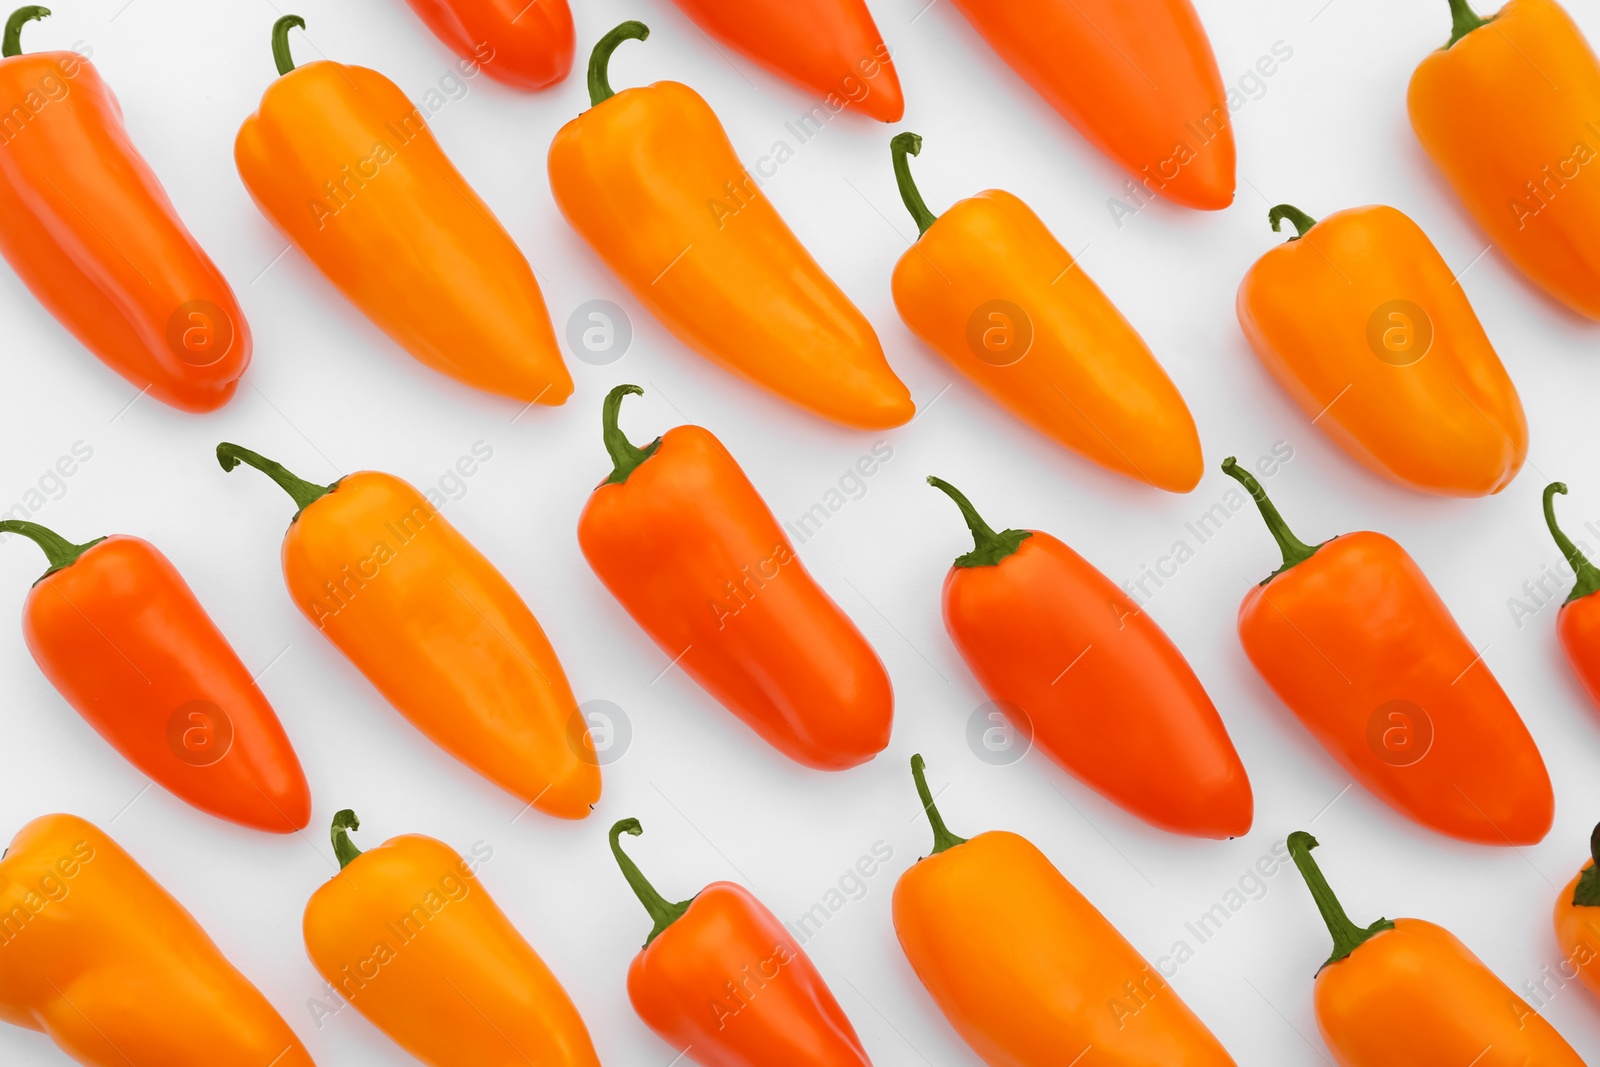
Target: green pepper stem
{"type": "Point", "coordinates": [600, 59]}
{"type": "Point", "coordinates": [625, 458]}
{"type": "Point", "coordinates": [1294, 550]}
{"type": "Point", "coordinates": [280, 42]}
{"type": "Point", "coordinates": [304, 493]}
{"type": "Point", "coordinates": [1302, 221]}
{"type": "Point", "coordinates": [989, 548]}
{"type": "Point", "coordinates": [1463, 20]}
{"type": "Point", "coordinates": [1347, 936]}
{"type": "Point", "coordinates": [942, 837]}
{"type": "Point", "coordinates": [663, 911]}
{"type": "Point", "coordinates": [1587, 892]}
{"type": "Point", "coordinates": [58, 551]}
{"type": "Point", "coordinates": [11, 45]}
{"type": "Point", "coordinates": [900, 147]}
{"type": "Point", "coordinates": [1587, 574]}
{"type": "Point", "coordinates": [345, 849]}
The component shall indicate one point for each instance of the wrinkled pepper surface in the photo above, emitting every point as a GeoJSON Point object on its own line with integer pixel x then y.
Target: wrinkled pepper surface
{"type": "Point", "coordinates": [1410, 992]}
{"type": "Point", "coordinates": [344, 165]}
{"type": "Point", "coordinates": [1577, 919]}
{"type": "Point", "coordinates": [88, 228]}
{"type": "Point", "coordinates": [990, 289]}
{"type": "Point", "coordinates": [1351, 636]}
{"type": "Point", "coordinates": [1578, 621]}
{"type": "Point", "coordinates": [123, 638]}
{"type": "Point", "coordinates": [1029, 972]}
{"type": "Point", "coordinates": [684, 542]}
{"type": "Point", "coordinates": [721, 980]}
{"type": "Point", "coordinates": [650, 180]}
{"type": "Point", "coordinates": [437, 630]}
{"type": "Point", "coordinates": [1362, 321]}
{"type": "Point", "coordinates": [408, 935]}
{"type": "Point", "coordinates": [526, 44]}
{"type": "Point", "coordinates": [101, 959]}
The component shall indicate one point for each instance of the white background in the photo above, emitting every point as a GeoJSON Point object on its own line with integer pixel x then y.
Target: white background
{"type": "Point", "coordinates": [327, 394]}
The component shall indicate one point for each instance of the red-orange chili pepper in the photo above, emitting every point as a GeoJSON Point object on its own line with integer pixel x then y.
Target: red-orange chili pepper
{"type": "Point", "coordinates": [1089, 678]}
{"type": "Point", "coordinates": [1578, 621]}
{"type": "Point", "coordinates": [527, 44]}
{"type": "Point", "coordinates": [1352, 637]}
{"type": "Point", "coordinates": [121, 636]}
{"type": "Point", "coordinates": [1577, 919]}
{"type": "Point", "coordinates": [682, 539]}
{"type": "Point", "coordinates": [88, 228]}
{"type": "Point", "coordinates": [721, 980]}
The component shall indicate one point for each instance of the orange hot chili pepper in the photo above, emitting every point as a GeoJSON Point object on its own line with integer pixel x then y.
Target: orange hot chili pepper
{"type": "Point", "coordinates": [991, 290]}
{"type": "Point", "coordinates": [1352, 637]}
{"type": "Point", "coordinates": [88, 228]}
{"type": "Point", "coordinates": [828, 47]}
{"type": "Point", "coordinates": [104, 961]}
{"type": "Point", "coordinates": [526, 44]}
{"type": "Point", "coordinates": [345, 166]}
{"type": "Point", "coordinates": [1509, 110]}
{"type": "Point", "coordinates": [1136, 77]}
{"type": "Point", "coordinates": [650, 180]}
{"type": "Point", "coordinates": [720, 979]}
{"type": "Point", "coordinates": [682, 539]}
{"type": "Point", "coordinates": [1090, 679]}
{"type": "Point", "coordinates": [437, 630]}
{"type": "Point", "coordinates": [408, 935]}
{"type": "Point", "coordinates": [1578, 622]}
{"type": "Point", "coordinates": [1026, 969]}
{"type": "Point", "coordinates": [1410, 992]}
{"type": "Point", "coordinates": [1577, 920]}
{"type": "Point", "coordinates": [1361, 321]}
{"type": "Point", "coordinates": [122, 637]}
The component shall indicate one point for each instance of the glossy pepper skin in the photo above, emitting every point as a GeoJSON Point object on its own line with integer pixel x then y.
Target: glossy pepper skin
{"type": "Point", "coordinates": [1577, 919]}
{"type": "Point", "coordinates": [344, 165]}
{"type": "Point", "coordinates": [1026, 969]}
{"type": "Point", "coordinates": [990, 289]}
{"type": "Point", "coordinates": [122, 637]}
{"type": "Point", "coordinates": [1409, 992]}
{"type": "Point", "coordinates": [523, 44]}
{"type": "Point", "coordinates": [1136, 77]}
{"type": "Point", "coordinates": [720, 979]}
{"type": "Point", "coordinates": [1091, 680]}
{"type": "Point", "coordinates": [1509, 111]}
{"type": "Point", "coordinates": [684, 542]}
{"type": "Point", "coordinates": [829, 48]}
{"type": "Point", "coordinates": [1361, 320]}
{"type": "Point", "coordinates": [649, 179]}
{"type": "Point", "coordinates": [1353, 638]}
{"type": "Point", "coordinates": [88, 228]}
{"type": "Point", "coordinates": [101, 959]}
{"type": "Point", "coordinates": [408, 935]}
{"type": "Point", "coordinates": [437, 630]}
{"type": "Point", "coordinates": [1578, 622]}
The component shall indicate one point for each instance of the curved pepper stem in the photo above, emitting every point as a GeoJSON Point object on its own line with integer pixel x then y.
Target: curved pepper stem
{"type": "Point", "coordinates": [1587, 893]}
{"type": "Point", "coordinates": [345, 849]}
{"type": "Point", "coordinates": [905, 144]}
{"type": "Point", "coordinates": [280, 42]}
{"type": "Point", "coordinates": [600, 59]}
{"type": "Point", "coordinates": [1347, 936]}
{"type": "Point", "coordinates": [1463, 20]}
{"type": "Point", "coordinates": [1587, 574]}
{"type": "Point", "coordinates": [624, 456]}
{"type": "Point", "coordinates": [304, 493]}
{"type": "Point", "coordinates": [942, 837]}
{"type": "Point", "coordinates": [663, 911]}
{"type": "Point", "coordinates": [1302, 221]}
{"type": "Point", "coordinates": [989, 548]}
{"type": "Point", "coordinates": [1294, 550]}
{"type": "Point", "coordinates": [58, 551]}
{"type": "Point", "coordinates": [11, 44]}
